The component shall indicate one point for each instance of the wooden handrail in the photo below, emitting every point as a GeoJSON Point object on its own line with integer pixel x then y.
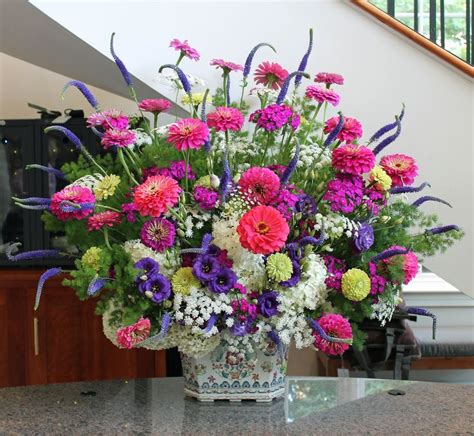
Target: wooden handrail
{"type": "Point", "coordinates": [414, 36]}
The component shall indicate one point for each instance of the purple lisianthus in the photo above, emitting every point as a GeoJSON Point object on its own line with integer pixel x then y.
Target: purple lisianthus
{"type": "Point", "coordinates": [205, 198]}
{"type": "Point", "coordinates": [157, 288]}
{"type": "Point", "coordinates": [240, 327]}
{"type": "Point", "coordinates": [206, 268]}
{"type": "Point", "coordinates": [148, 266]}
{"type": "Point", "coordinates": [364, 237]}
{"type": "Point", "coordinates": [268, 303]}
{"type": "Point", "coordinates": [223, 282]}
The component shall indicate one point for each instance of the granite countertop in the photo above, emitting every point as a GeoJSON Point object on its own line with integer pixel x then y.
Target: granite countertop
{"type": "Point", "coordinates": [311, 405]}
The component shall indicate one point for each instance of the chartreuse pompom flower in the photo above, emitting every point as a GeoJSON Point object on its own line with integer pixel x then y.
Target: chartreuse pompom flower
{"type": "Point", "coordinates": [91, 258]}
{"type": "Point", "coordinates": [106, 187]}
{"type": "Point", "coordinates": [355, 284]}
{"type": "Point", "coordinates": [209, 182]}
{"type": "Point", "coordinates": [279, 267]}
{"type": "Point", "coordinates": [183, 280]}
{"type": "Point", "coordinates": [196, 98]}
{"type": "Point", "coordinates": [378, 175]}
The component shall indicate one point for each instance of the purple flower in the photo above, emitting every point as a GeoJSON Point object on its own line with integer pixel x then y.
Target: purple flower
{"type": "Point", "coordinates": [157, 288]}
{"type": "Point", "coordinates": [68, 134]}
{"type": "Point", "coordinates": [387, 141]}
{"type": "Point", "coordinates": [28, 255]}
{"type": "Point", "coordinates": [182, 77]}
{"type": "Point", "coordinates": [408, 189]}
{"type": "Point", "coordinates": [268, 303]}
{"type": "Point", "coordinates": [225, 179]}
{"type": "Point", "coordinates": [165, 326]}
{"type": "Point", "coordinates": [95, 286]}
{"type": "Point", "coordinates": [129, 209]}
{"type": "Point", "coordinates": [344, 193]}
{"type": "Point", "coordinates": [85, 92]}
{"type": "Point", "coordinates": [289, 170]}
{"type": "Point", "coordinates": [304, 60]}
{"type": "Point", "coordinates": [273, 117]}
{"type": "Point", "coordinates": [59, 174]}
{"type": "Point", "coordinates": [423, 312]}
{"type": "Point", "coordinates": [210, 324]}
{"type": "Point", "coordinates": [121, 66]}
{"type": "Point", "coordinates": [206, 268]}
{"type": "Point", "coordinates": [332, 136]}
{"type": "Point", "coordinates": [148, 265]}
{"type": "Point", "coordinates": [390, 252]}
{"type": "Point", "coordinates": [248, 61]}
{"type": "Point", "coordinates": [426, 198]}
{"type": "Point", "coordinates": [223, 282]}
{"type": "Point", "coordinates": [336, 268]}
{"type": "Point", "coordinates": [295, 277]}
{"type": "Point", "coordinates": [241, 327]}
{"type": "Point", "coordinates": [286, 84]}
{"type": "Point", "coordinates": [42, 280]}
{"type": "Point", "coordinates": [364, 237]}
{"type": "Point", "coordinates": [387, 128]}
{"type": "Point", "coordinates": [205, 198]}
{"type": "Point", "coordinates": [178, 170]}
{"type": "Point", "coordinates": [158, 234]}
{"type": "Point", "coordinates": [442, 229]}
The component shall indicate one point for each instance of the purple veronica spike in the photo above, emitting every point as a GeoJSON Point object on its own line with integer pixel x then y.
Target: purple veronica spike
{"type": "Point", "coordinates": [69, 135]}
{"type": "Point", "coordinates": [59, 174]}
{"type": "Point", "coordinates": [28, 255]}
{"type": "Point", "coordinates": [423, 312]}
{"type": "Point", "coordinates": [182, 77]}
{"type": "Point", "coordinates": [227, 95]}
{"type": "Point", "coordinates": [426, 198]}
{"type": "Point", "coordinates": [225, 179]}
{"type": "Point", "coordinates": [165, 326]}
{"type": "Point", "coordinates": [69, 206]}
{"type": "Point", "coordinates": [311, 240]}
{"type": "Point", "coordinates": [289, 170]}
{"type": "Point", "coordinates": [307, 205]}
{"type": "Point", "coordinates": [121, 66]}
{"type": "Point", "coordinates": [304, 60]}
{"type": "Point", "coordinates": [248, 61]}
{"type": "Point", "coordinates": [385, 129]}
{"type": "Point", "coordinates": [442, 229]}
{"type": "Point", "coordinates": [85, 92]}
{"type": "Point", "coordinates": [96, 132]}
{"type": "Point", "coordinates": [42, 280]}
{"type": "Point", "coordinates": [389, 253]}
{"type": "Point", "coordinates": [388, 140]}
{"type": "Point", "coordinates": [286, 84]}
{"type": "Point", "coordinates": [33, 200]}
{"type": "Point", "coordinates": [95, 286]}
{"type": "Point", "coordinates": [33, 207]}
{"type": "Point", "coordinates": [332, 136]}
{"type": "Point", "coordinates": [273, 335]}
{"type": "Point", "coordinates": [203, 106]}
{"type": "Point", "coordinates": [408, 189]}
{"type": "Point", "coordinates": [319, 330]}
{"type": "Point", "coordinates": [210, 324]}
{"type": "Point", "coordinates": [206, 240]}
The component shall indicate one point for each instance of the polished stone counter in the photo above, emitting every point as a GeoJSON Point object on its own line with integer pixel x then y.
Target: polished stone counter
{"type": "Point", "coordinates": [311, 406]}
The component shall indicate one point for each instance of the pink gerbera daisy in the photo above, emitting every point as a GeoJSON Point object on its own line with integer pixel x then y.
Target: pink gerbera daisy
{"type": "Point", "coordinates": [131, 335]}
{"type": "Point", "coordinates": [401, 168]}
{"type": "Point", "coordinates": [118, 138]}
{"type": "Point", "coordinates": [188, 133]}
{"type": "Point", "coordinates": [225, 118]}
{"type": "Point", "coordinates": [270, 74]}
{"type": "Point", "coordinates": [103, 219]}
{"type": "Point", "coordinates": [410, 263]}
{"type": "Point", "coordinates": [226, 65]}
{"type": "Point", "coordinates": [158, 234]}
{"type": "Point", "coordinates": [72, 202]}
{"type": "Point", "coordinates": [336, 326]}
{"type": "Point", "coordinates": [155, 195]}
{"type": "Point", "coordinates": [259, 185]}
{"type": "Point", "coordinates": [353, 159]}
{"type": "Point", "coordinates": [351, 131]}
{"type": "Point", "coordinates": [185, 49]}
{"type": "Point", "coordinates": [263, 230]}
{"type": "Point", "coordinates": [154, 105]}
{"type": "Point", "coordinates": [329, 78]}
{"type": "Point", "coordinates": [322, 95]}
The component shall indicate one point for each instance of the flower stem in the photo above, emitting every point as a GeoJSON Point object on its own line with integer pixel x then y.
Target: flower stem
{"type": "Point", "coordinates": [125, 166]}
{"type": "Point", "coordinates": [106, 238]}
{"type": "Point", "coordinates": [313, 118]}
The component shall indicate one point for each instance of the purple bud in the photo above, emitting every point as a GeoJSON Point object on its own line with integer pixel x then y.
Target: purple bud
{"type": "Point", "coordinates": [304, 60]}
{"type": "Point", "coordinates": [50, 170]}
{"type": "Point", "coordinates": [121, 66]}
{"type": "Point", "coordinates": [182, 77]}
{"type": "Point", "coordinates": [389, 253]}
{"type": "Point", "coordinates": [408, 189]}
{"type": "Point", "coordinates": [423, 312]}
{"type": "Point", "coordinates": [319, 330]}
{"type": "Point", "coordinates": [69, 135]}
{"type": "Point", "coordinates": [33, 200]}
{"type": "Point", "coordinates": [291, 166]}
{"type": "Point", "coordinates": [387, 128]}
{"type": "Point", "coordinates": [387, 141]}
{"type": "Point", "coordinates": [85, 92]}
{"type": "Point", "coordinates": [210, 324]}
{"type": "Point", "coordinates": [69, 206]}
{"type": "Point", "coordinates": [286, 84]}
{"type": "Point", "coordinates": [95, 286]}
{"type": "Point", "coordinates": [206, 240]}
{"type": "Point", "coordinates": [165, 326]}
{"type": "Point", "coordinates": [248, 62]}
{"type": "Point", "coordinates": [311, 240]}
{"type": "Point", "coordinates": [28, 255]}
{"type": "Point", "coordinates": [442, 229]}
{"type": "Point", "coordinates": [426, 198]}
{"type": "Point", "coordinates": [332, 136]}
{"type": "Point", "coordinates": [42, 280]}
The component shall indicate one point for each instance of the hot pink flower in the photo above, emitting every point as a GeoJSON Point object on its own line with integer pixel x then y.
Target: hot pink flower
{"type": "Point", "coordinates": [270, 74]}
{"type": "Point", "coordinates": [155, 195]}
{"type": "Point", "coordinates": [131, 335]}
{"type": "Point", "coordinates": [226, 66]}
{"type": "Point", "coordinates": [185, 49]}
{"type": "Point", "coordinates": [351, 131]}
{"type": "Point", "coordinates": [188, 133]}
{"type": "Point", "coordinates": [353, 159]}
{"type": "Point", "coordinates": [73, 202]}
{"type": "Point", "coordinates": [259, 185]}
{"type": "Point", "coordinates": [118, 138]}
{"type": "Point", "coordinates": [410, 263]}
{"type": "Point", "coordinates": [102, 219]}
{"type": "Point", "coordinates": [155, 105]}
{"type": "Point", "coordinates": [322, 95]}
{"type": "Point", "coordinates": [336, 326]}
{"type": "Point", "coordinates": [225, 118]}
{"type": "Point", "coordinates": [401, 168]}
{"type": "Point", "coordinates": [108, 119]}
{"type": "Point", "coordinates": [158, 234]}
{"type": "Point", "coordinates": [205, 198]}
{"type": "Point", "coordinates": [263, 230]}
{"type": "Point", "coordinates": [329, 78]}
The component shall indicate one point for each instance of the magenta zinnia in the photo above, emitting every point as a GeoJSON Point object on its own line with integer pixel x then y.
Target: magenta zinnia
{"type": "Point", "coordinates": [103, 219]}
{"type": "Point", "coordinates": [108, 119]}
{"type": "Point", "coordinates": [329, 78]}
{"type": "Point", "coordinates": [155, 195]}
{"type": "Point", "coordinates": [73, 202]}
{"type": "Point", "coordinates": [226, 65]}
{"type": "Point", "coordinates": [185, 49]}
{"type": "Point", "coordinates": [188, 133]}
{"type": "Point", "coordinates": [322, 95]}
{"type": "Point", "coordinates": [270, 74]}
{"type": "Point", "coordinates": [259, 185]}
{"type": "Point", "coordinates": [336, 326]}
{"type": "Point", "coordinates": [225, 118]}
{"type": "Point", "coordinates": [353, 159]}
{"type": "Point", "coordinates": [158, 234]}
{"type": "Point", "coordinates": [154, 105]}
{"type": "Point", "coordinates": [118, 138]}
{"type": "Point", "coordinates": [401, 168]}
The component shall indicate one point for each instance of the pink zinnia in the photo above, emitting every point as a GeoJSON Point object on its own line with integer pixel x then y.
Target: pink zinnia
{"type": "Point", "coordinates": [185, 49]}
{"type": "Point", "coordinates": [401, 168]}
{"type": "Point", "coordinates": [353, 159]}
{"type": "Point", "coordinates": [118, 138]}
{"type": "Point", "coordinates": [263, 230]}
{"type": "Point", "coordinates": [155, 195]}
{"type": "Point", "coordinates": [103, 219]}
{"type": "Point", "coordinates": [329, 78]}
{"type": "Point", "coordinates": [259, 185]}
{"type": "Point", "coordinates": [131, 335]}
{"type": "Point", "coordinates": [322, 95]}
{"type": "Point", "coordinates": [155, 105]}
{"type": "Point", "coordinates": [225, 118]}
{"type": "Point", "coordinates": [188, 133]}
{"type": "Point", "coordinates": [158, 234]}
{"type": "Point", "coordinates": [336, 326]}
{"type": "Point", "coordinates": [270, 74]}
{"type": "Point", "coordinates": [72, 202]}
{"type": "Point", "coordinates": [351, 130]}
{"type": "Point", "coordinates": [108, 119]}
{"type": "Point", "coordinates": [410, 263]}
{"type": "Point", "coordinates": [226, 65]}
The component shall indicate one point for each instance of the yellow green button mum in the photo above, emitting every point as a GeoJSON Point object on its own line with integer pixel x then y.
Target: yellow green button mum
{"type": "Point", "coordinates": [355, 284]}
{"type": "Point", "coordinates": [183, 280]}
{"type": "Point", "coordinates": [279, 267]}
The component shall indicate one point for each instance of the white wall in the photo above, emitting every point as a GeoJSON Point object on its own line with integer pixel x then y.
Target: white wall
{"type": "Point", "coordinates": [382, 70]}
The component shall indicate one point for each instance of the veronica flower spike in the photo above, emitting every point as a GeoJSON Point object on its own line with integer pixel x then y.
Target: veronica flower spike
{"type": "Point", "coordinates": [284, 89]}
{"type": "Point", "coordinates": [426, 198]}
{"type": "Point", "coordinates": [50, 170]}
{"type": "Point", "coordinates": [165, 326]}
{"type": "Point", "coordinates": [85, 91]}
{"type": "Point", "coordinates": [304, 60]}
{"type": "Point", "coordinates": [387, 128]}
{"type": "Point", "coordinates": [121, 66]}
{"type": "Point", "coordinates": [387, 141]}
{"type": "Point", "coordinates": [29, 255]}
{"type": "Point", "coordinates": [42, 280]}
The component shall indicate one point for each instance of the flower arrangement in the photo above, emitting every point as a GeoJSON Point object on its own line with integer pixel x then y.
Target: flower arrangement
{"type": "Point", "coordinates": [257, 227]}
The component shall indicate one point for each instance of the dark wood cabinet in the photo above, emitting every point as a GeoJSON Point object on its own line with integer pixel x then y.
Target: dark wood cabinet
{"type": "Point", "coordinates": [63, 340]}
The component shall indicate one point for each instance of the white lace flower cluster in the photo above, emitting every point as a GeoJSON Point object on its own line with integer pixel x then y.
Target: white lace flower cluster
{"type": "Point", "coordinates": [195, 219]}
{"type": "Point", "coordinates": [142, 138]}
{"type": "Point", "coordinates": [313, 156]}
{"type": "Point", "coordinates": [192, 344]}
{"type": "Point", "coordinates": [385, 306]}
{"type": "Point", "coordinates": [196, 308]}
{"type": "Point", "coordinates": [170, 78]}
{"type": "Point", "coordinates": [262, 91]}
{"type": "Point", "coordinates": [239, 345]}
{"type": "Point", "coordinates": [239, 147]}
{"type": "Point", "coordinates": [335, 225]}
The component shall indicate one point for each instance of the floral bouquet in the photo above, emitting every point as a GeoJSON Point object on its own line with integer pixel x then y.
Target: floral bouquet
{"type": "Point", "coordinates": [254, 222]}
